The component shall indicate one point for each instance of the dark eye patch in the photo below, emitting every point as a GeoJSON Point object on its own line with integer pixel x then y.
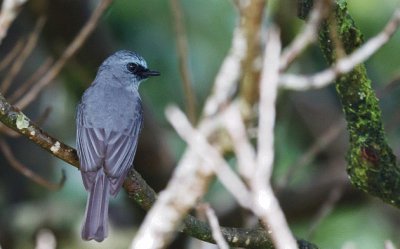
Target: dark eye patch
{"type": "Point", "coordinates": [134, 68]}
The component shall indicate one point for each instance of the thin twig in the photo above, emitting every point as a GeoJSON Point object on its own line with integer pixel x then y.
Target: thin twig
{"type": "Point", "coordinates": [182, 46]}
{"type": "Point", "coordinates": [388, 87]}
{"type": "Point", "coordinates": [27, 172]}
{"type": "Point", "coordinates": [344, 65]}
{"type": "Point", "coordinates": [320, 144]}
{"type": "Point", "coordinates": [72, 48]}
{"type": "Point", "coordinates": [11, 54]}
{"type": "Point", "coordinates": [326, 208]}
{"type": "Point", "coordinates": [43, 117]}
{"type": "Point", "coordinates": [9, 11]}
{"type": "Point", "coordinates": [31, 80]}
{"type": "Point", "coordinates": [26, 51]}
{"type": "Point", "coordinates": [307, 36]}
{"type": "Point", "coordinates": [215, 227]}
{"type": "Point", "coordinates": [266, 205]}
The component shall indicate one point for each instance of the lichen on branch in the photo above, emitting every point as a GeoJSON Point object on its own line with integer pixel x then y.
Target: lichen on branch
{"type": "Point", "coordinates": [372, 166]}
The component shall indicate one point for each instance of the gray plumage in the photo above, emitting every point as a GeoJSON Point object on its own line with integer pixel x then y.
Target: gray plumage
{"type": "Point", "coordinates": [109, 120]}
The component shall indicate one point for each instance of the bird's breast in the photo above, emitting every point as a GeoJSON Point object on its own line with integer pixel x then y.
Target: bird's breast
{"type": "Point", "coordinates": [111, 109]}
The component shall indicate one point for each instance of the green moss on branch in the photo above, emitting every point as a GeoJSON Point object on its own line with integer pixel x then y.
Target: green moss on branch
{"type": "Point", "coordinates": [372, 165]}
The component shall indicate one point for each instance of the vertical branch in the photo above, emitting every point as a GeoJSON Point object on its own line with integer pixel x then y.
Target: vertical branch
{"type": "Point", "coordinates": [244, 151]}
{"type": "Point", "coordinates": [266, 205]}
{"type": "Point", "coordinates": [250, 22]}
{"type": "Point", "coordinates": [182, 46]}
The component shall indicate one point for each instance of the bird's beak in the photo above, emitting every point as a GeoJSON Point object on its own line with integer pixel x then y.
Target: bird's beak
{"type": "Point", "coordinates": [149, 73]}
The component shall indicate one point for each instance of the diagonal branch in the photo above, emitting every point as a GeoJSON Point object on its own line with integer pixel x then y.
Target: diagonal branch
{"type": "Point", "coordinates": [136, 187]}
{"type": "Point", "coordinates": [73, 47]}
{"type": "Point", "coordinates": [11, 54]}
{"type": "Point", "coordinates": [344, 65]}
{"type": "Point", "coordinates": [26, 171]}
{"type": "Point", "coordinates": [20, 60]}
{"type": "Point", "coordinates": [9, 11]}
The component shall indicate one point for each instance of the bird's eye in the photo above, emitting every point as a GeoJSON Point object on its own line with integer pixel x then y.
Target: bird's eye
{"type": "Point", "coordinates": [133, 67]}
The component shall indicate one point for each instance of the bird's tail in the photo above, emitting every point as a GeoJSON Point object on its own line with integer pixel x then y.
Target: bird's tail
{"type": "Point", "coordinates": [96, 216]}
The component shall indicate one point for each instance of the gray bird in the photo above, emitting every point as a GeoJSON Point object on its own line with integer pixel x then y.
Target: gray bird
{"type": "Point", "coordinates": [109, 120]}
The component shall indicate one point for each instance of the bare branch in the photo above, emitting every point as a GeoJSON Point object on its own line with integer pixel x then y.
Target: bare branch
{"type": "Point", "coordinates": [215, 228]}
{"type": "Point", "coordinates": [210, 155]}
{"type": "Point", "coordinates": [326, 208]}
{"type": "Point", "coordinates": [26, 51]}
{"type": "Point", "coordinates": [244, 151]}
{"type": "Point", "coordinates": [9, 11]}
{"type": "Point", "coordinates": [228, 75]}
{"type": "Point", "coordinates": [182, 46]}
{"type": "Point", "coordinates": [307, 36]}
{"type": "Point", "coordinates": [11, 54]}
{"type": "Point", "coordinates": [344, 65]}
{"type": "Point", "coordinates": [266, 205]}
{"type": "Point", "coordinates": [320, 144]}
{"type": "Point", "coordinates": [73, 47]}
{"type": "Point", "coordinates": [31, 80]}
{"type": "Point", "coordinates": [268, 95]}
{"type": "Point", "coordinates": [27, 172]}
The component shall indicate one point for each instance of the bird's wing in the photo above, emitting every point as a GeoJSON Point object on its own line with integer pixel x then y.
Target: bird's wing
{"type": "Point", "coordinates": [91, 149]}
{"type": "Point", "coordinates": [120, 152]}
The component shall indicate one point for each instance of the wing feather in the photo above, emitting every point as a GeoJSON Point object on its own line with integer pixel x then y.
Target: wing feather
{"type": "Point", "coordinates": [111, 150]}
{"type": "Point", "coordinates": [120, 154]}
{"type": "Point", "coordinates": [91, 150]}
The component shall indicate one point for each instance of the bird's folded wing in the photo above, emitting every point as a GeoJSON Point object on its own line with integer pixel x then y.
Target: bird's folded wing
{"type": "Point", "coordinates": [91, 148]}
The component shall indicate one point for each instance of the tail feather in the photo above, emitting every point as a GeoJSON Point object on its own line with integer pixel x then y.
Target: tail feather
{"type": "Point", "coordinates": [96, 216]}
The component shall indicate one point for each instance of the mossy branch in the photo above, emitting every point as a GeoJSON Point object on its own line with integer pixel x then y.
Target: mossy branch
{"type": "Point", "coordinates": [372, 166]}
{"type": "Point", "coordinates": [134, 184]}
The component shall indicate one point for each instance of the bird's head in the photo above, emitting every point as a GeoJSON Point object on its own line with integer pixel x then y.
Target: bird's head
{"type": "Point", "coordinates": [126, 68]}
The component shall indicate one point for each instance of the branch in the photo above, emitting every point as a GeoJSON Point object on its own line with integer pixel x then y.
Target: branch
{"type": "Point", "coordinates": [9, 11]}
{"type": "Point", "coordinates": [344, 65]}
{"type": "Point", "coordinates": [211, 156]}
{"type": "Point", "coordinates": [308, 156]}
{"type": "Point", "coordinates": [42, 69]}
{"type": "Point", "coordinates": [11, 54]}
{"type": "Point", "coordinates": [182, 46]}
{"type": "Point", "coordinates": [372, 166]}
{"type": "Point", "coordinates": [215, 227]}
{"type": "Point", "coordinates": [266, 205]}
{"type": "Point", "coordinates": [307, 36]}
{"type": "Point", "coordinates": [27, 172]}
{"type": "Point", "coordinates": [20, 60]}
{"type": "Point", "coordinates": [250, 24]}
{"type": "Point", "coordinates": [135, 186]}
{"type": "Point", "coordinates": [73, 47]}
{"type": "Point", "coordinates": [242, 147]}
